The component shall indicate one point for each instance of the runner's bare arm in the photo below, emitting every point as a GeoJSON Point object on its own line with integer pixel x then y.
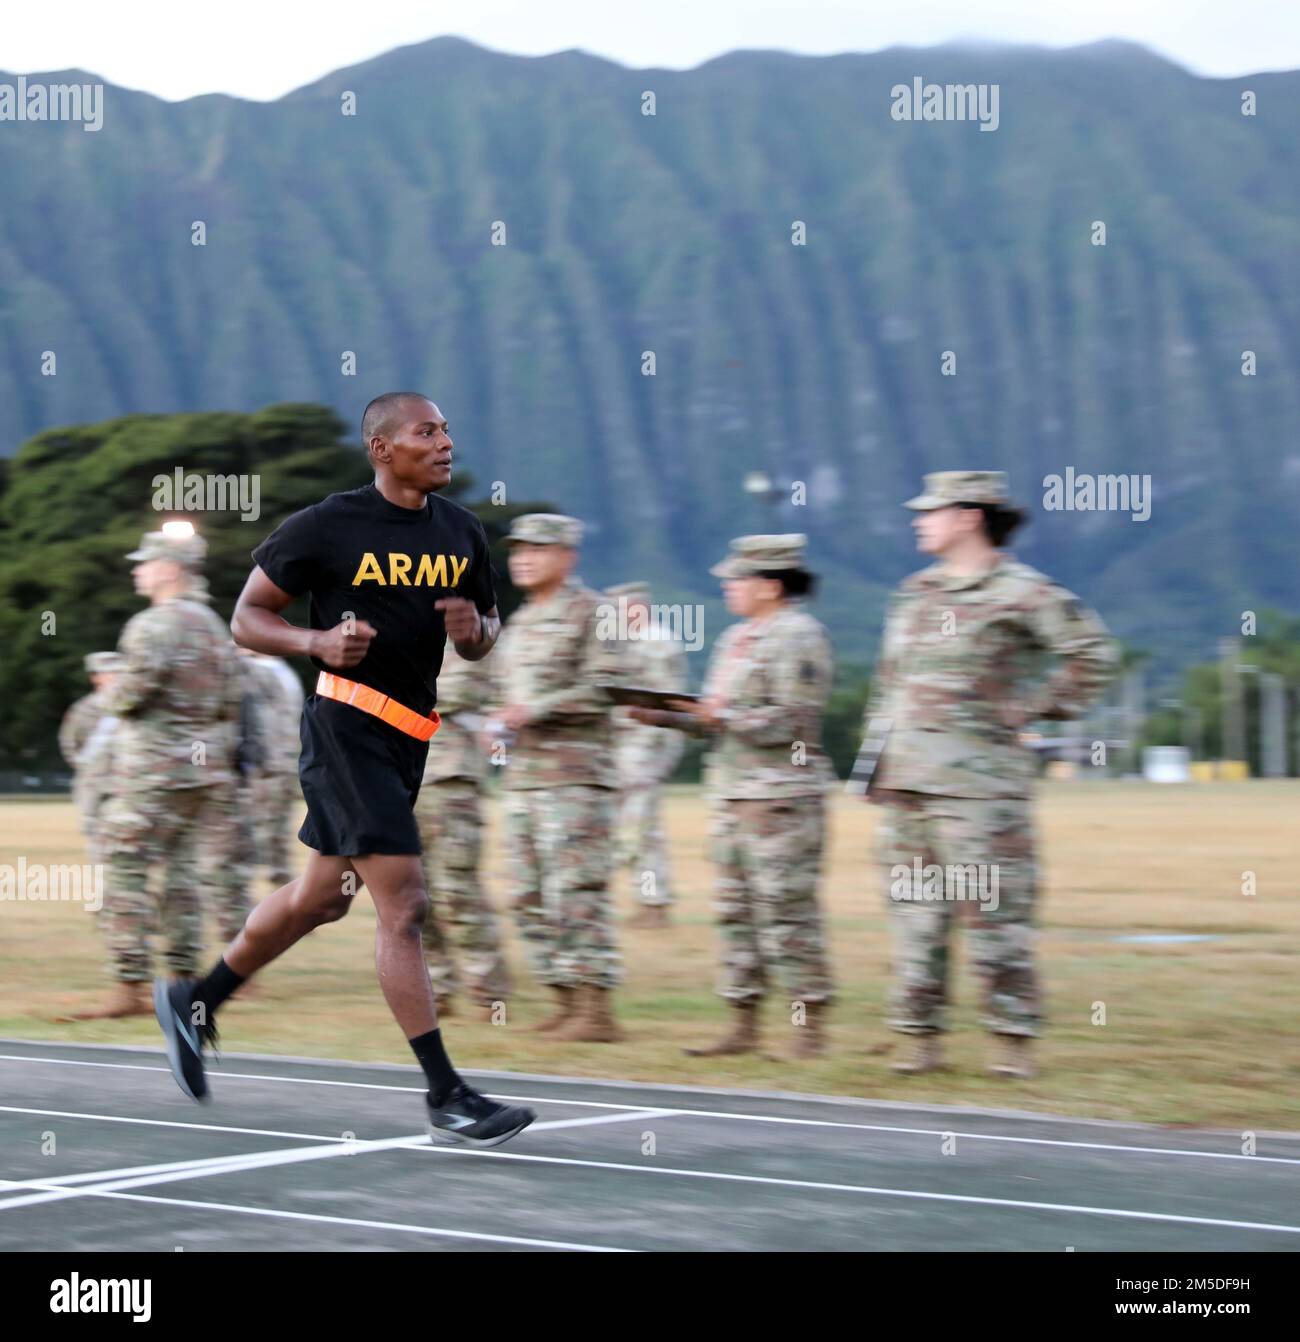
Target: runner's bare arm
{"type": "Point", "coordinates": [258, 624]}
{"type": "Point", "coordinates": [472, 633]}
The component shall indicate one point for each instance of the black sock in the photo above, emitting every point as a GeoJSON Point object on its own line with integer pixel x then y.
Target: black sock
{"type": "Point", "coordinates": [219, 984]}
{"type": "Point", "coordinates": [438, 1071]}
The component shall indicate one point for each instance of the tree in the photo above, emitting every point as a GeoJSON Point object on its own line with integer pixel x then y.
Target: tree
{"type": "Point", "coordinates": [75, 500]}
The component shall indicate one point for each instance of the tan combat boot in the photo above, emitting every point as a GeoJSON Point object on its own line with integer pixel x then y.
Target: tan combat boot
{"type": "Point", "coordinates": [651, 916]}
{"type": "Point", "coordinates": [1014, 1058]}
{"type": "Point", "coordinates": [593, 1022]}
{"type": "Point", "coordinates": [566, 1000]}
{"type": "Point", "coordinates": [810, 1037]}
{"type": "Point", "coordinates": [124, 999]}
{"type": "Point", "coordinates": [742, 1038]}
{"type": "Point", "coordinates": [924, 1054]}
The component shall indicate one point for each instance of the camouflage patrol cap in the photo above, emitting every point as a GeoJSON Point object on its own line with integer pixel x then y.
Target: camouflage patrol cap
{"type": "Point", "coordinates": [751, 555]}
{"type": "Point", "coordinates": [189, 551]}
{"type": "Point", "coordinates": [102, 663]}
{"type": "Point", "coordinates": [943, 489]}
{"type": "Point", "coordinates": [633, 591]}
{"type": "Point", "coordinates": [546, 529]}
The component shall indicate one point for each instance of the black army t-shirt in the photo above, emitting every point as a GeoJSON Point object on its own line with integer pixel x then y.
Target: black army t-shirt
{"type": "Point", "coordinates": [357, 552]}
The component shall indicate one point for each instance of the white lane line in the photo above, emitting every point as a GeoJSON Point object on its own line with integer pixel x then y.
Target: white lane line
{"type": "Point", "coordinates": [168, 1123]}
{"type": "Point", "coordinates": [672, 1171]}
{"type": "Point", "coordinates": [58, 1189]}
{"type": "Point", "coordinates": [478, 1236]}
{"type": "Point", "coordinates": [594, 1119]}
{"type": "Point", "coordinates": [879, 1192]}
{"type": "Point", "coordinates": [201, 1161]}
{"type": "Point", "coordinates": [112, 1183]}
{"type": "Point", "coordinates": [712, 1113]}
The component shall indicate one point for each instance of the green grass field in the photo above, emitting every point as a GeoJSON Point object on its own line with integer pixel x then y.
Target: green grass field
{"type": "Point", "coordinates": [1199, 1032]}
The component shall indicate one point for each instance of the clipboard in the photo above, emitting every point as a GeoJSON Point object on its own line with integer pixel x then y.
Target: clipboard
{"type": "Point", "coordinates": [858, 783]}
{"type": "Point", "coordinates": [636, 696]}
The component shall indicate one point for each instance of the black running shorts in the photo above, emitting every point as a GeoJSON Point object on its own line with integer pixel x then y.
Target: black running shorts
{"type": "Point", "coordinates": [360, 778]}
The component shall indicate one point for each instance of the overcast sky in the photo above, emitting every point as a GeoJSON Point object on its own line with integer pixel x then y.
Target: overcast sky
{"type": "Point", "coordinates": [261, 50]}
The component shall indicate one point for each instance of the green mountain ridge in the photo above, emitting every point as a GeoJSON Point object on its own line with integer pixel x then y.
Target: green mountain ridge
{"type": "Point", "coordinates": [628, 233]}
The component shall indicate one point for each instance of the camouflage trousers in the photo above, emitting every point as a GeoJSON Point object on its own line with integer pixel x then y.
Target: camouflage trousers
{"type": "Point", "coordinates": [450, 815]}
{"type": "Point", "coordinates": [277, 803]}
{"type": "Point", "coordinates": [92, 810]}
{"type": "Point", "coordinates": [163, 828]}
{"type": "Point", "coordinates": [228, 859]}
{"type": "Point", "coordinates": [560, 854]}
{"type": "Point", "coordinates": [768, 856]}
{"type": "Point", "coordinates": [967, 858]}
{"type": "Point", "coordinates": [642, 843]}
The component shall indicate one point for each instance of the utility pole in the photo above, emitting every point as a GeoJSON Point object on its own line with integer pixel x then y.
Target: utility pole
{"type": "Point", "coordinates": [1134, 717]}
{"type": "Point", "coordinates": [1232, 745]}
{"type": "Point", "coordinates": [1272, 725]}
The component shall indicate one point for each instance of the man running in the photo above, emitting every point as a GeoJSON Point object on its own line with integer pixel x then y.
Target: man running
{"type": "Point", "coordinates": [392, 572]}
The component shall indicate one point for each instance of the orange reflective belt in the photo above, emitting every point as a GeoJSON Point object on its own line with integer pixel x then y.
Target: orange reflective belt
{"type": "Point", "coordinates": [378, 705]}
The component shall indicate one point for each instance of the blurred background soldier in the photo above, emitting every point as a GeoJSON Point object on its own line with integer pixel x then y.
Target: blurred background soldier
{"type": "Point", "coordinates": [176, 698]}
{"type": "Point", "coordinates": [645, 756]}
{"type": "Point", "coordinates": [86, 740]}
{"type": "Point", "coordinates": [560, 784]}
{"type": "Point", "coordinates": [450, 815]}
{"type": "Point", "coordinates": [768, 682]}
{"type": "Point", "coordinates": [961, 671]}
{"type": "Point", "coordinates": [277, 800]}
{"type": "Point", "coordinates": [224, 862]}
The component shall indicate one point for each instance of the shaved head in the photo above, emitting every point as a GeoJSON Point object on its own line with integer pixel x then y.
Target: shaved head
{"type": "Point", "coordinates": [384, 412]}
{"type": "Point", "coordinates": [408, 445]}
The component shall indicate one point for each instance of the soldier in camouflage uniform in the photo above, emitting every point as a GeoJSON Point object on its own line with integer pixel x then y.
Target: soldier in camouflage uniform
{"type": "Point", "coordinates": [646, 756]}
{"type": "Point", "coordinates": [966, 644]}
{"type": "Point", "coordinates": [229, 850]}
{"type": "Point", "coordinates": [86, 742]}
{"type": "Point", "coordinates": [449, 811]}
{"type": "Point", "coordinates": [764, 695]}
{"type": "Point", "coordinates": [560, 785]}
{"type": "Point", "coordinates": [222, 862]}
{"type": "Point", "coordinates": [277, 800]}
{"type": "Point", "coordinates": [176, 698]}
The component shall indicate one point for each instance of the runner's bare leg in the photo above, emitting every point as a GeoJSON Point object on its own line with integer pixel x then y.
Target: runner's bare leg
{"type": "Point", "coordinates": [318, 896]}
{"type": "Point", "coordinates": [396, 884]}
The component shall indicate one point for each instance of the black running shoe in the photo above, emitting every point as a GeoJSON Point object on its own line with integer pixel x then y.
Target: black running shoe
{"type": "Point", "coordinates": [466, 1116]}
{"type": "Point", "coordinates": [173, 1004]}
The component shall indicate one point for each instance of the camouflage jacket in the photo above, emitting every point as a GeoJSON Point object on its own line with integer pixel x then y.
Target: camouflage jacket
{"type": "Point", "coordinates": [278, 698]}
{"type": "Point", "coordinates": [78, 724]}
{"type": "Point", "coordinates": [552, 661]}
{"type": "Point", "coordinates": [465, 690]}
{"type": "Point", "coordinates": [965, 662]}
{"type": "Point", "coordinates": [774, 678]}
{"type": "Point", "coordinates": [177, 697]}
{"type": "Point", "coordinates": [645, 754]}
{"type": "Point", "coordinates": [86, 741]}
